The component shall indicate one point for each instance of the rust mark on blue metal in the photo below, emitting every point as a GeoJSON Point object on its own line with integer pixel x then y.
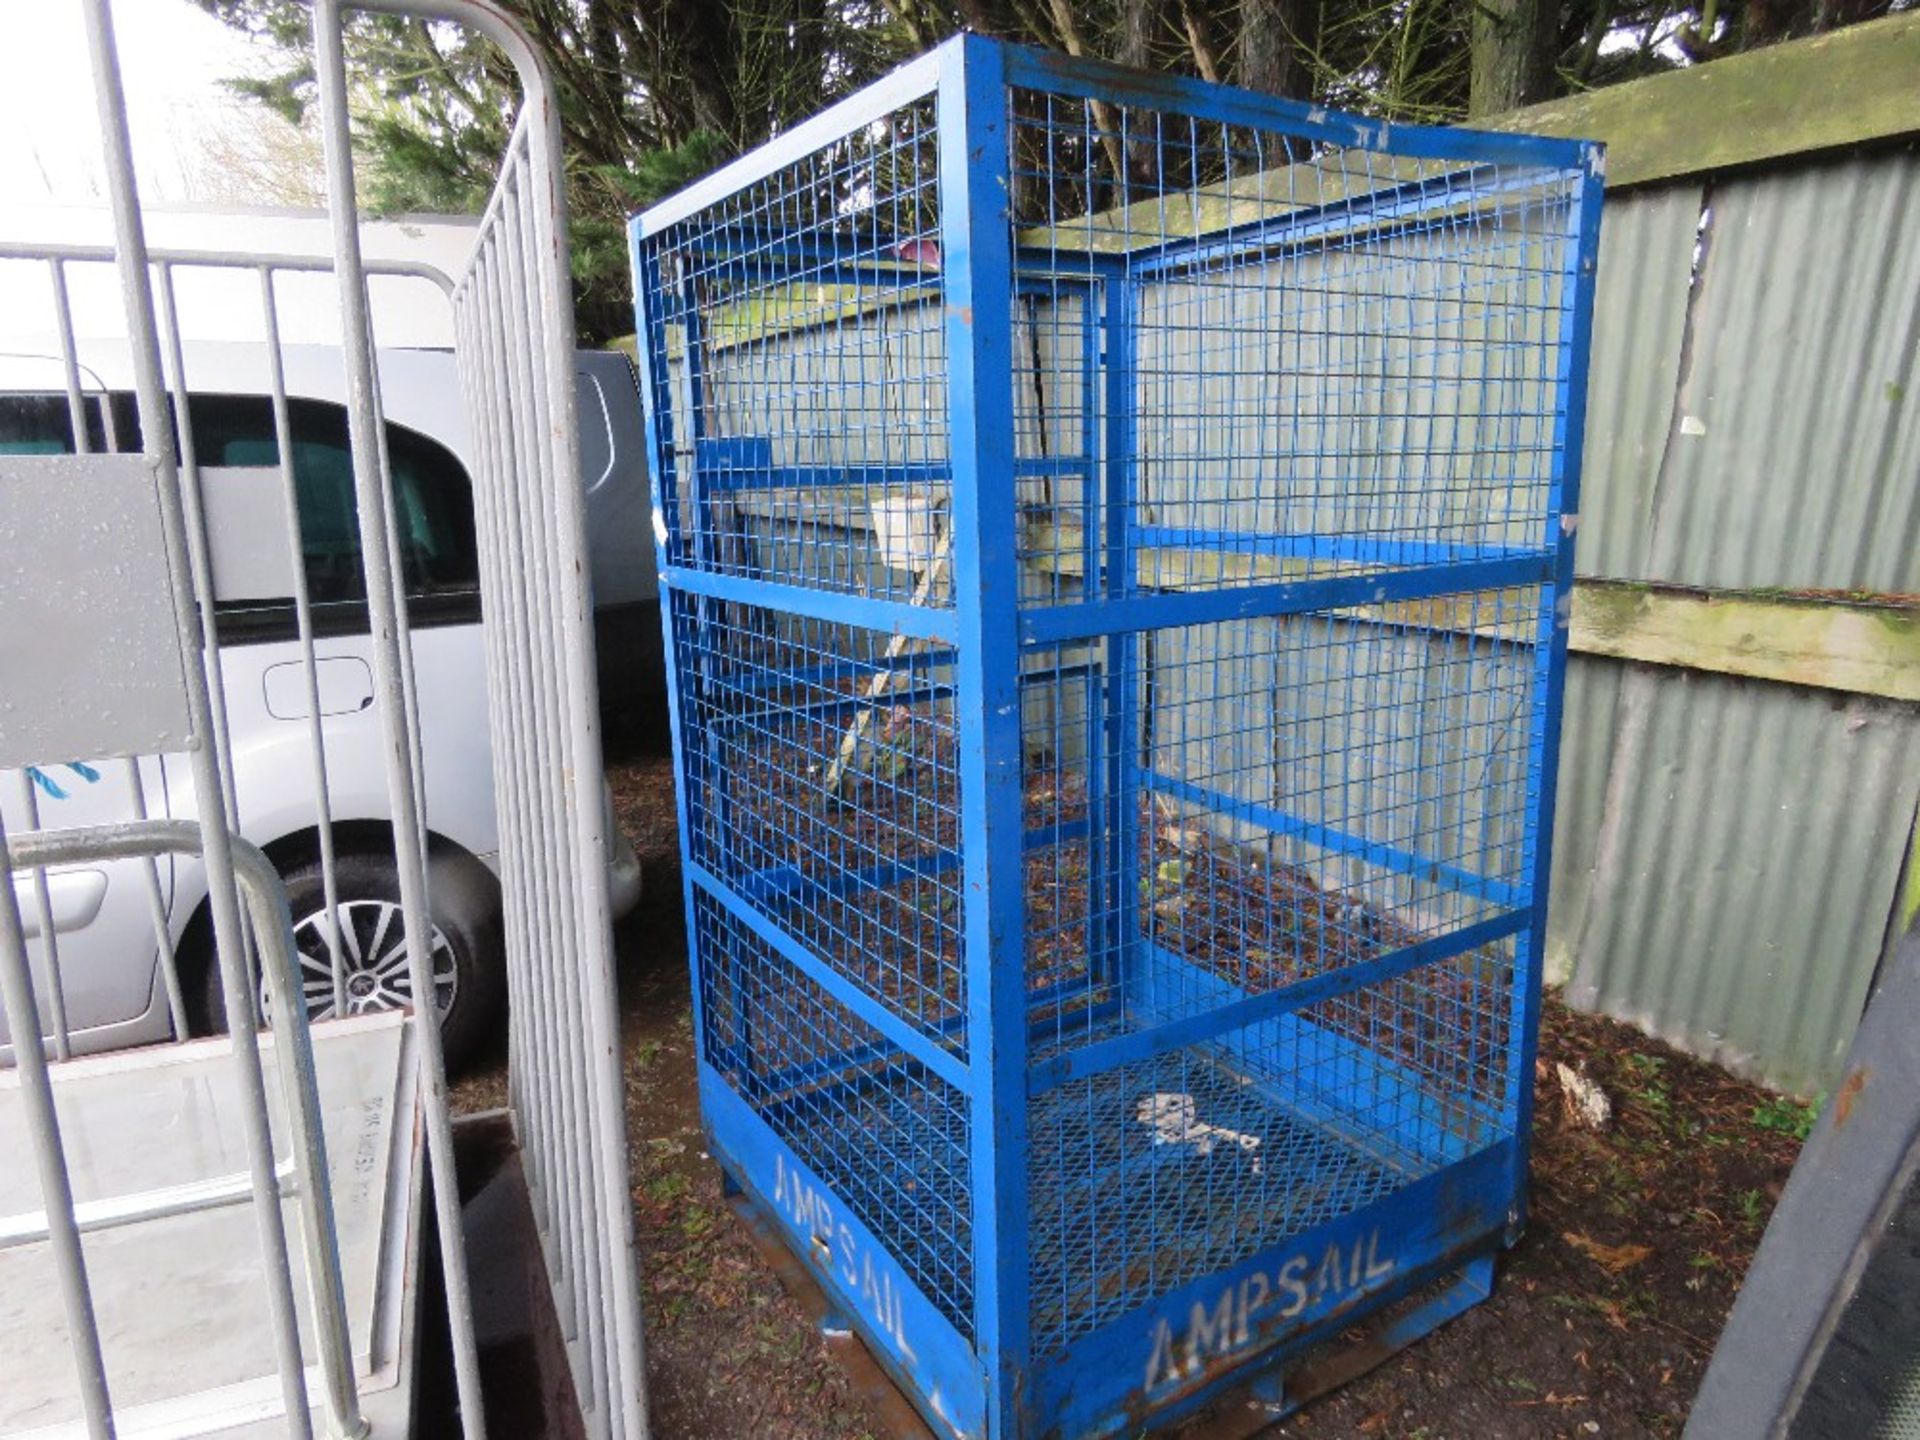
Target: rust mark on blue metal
{"type": "Point", "coordinates": [1849, 1092]}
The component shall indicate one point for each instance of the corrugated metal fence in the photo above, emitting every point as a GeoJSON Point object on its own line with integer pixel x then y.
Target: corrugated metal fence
{"type": "Point", "coordinates": [1730, 850]}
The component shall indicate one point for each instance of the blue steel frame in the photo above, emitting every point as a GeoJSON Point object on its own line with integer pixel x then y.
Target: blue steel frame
{"type": "Point", "coordinates": [1437, 1234]}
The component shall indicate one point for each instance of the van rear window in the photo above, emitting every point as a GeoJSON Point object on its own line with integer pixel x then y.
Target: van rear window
{"type": "Point", "coordinates": [43, 425]}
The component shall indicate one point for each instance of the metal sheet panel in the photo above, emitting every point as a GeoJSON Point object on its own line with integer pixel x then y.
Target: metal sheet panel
{"type": "Point", "coordinates": [1726, 858]}
{"type": "Point", "coordinates": [89, 643]}
{"type": "Point", "coordinates": [246, 509]}
{"type": "Point", "coordinates": [1760, 428]}
{"type": "Point", "coordinates": [1639, 314]}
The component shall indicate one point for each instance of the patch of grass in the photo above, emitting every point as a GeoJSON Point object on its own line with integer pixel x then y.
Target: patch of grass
{"type": "Point", "coordinates": [668, 1187]}
{"type": "Point", "coordinates": [1647, 1086]}
{"type": "Point", "coordinates": [1752, 1206]}
{"type": "Point", "coordinates": [1619, 1185]}
{"type": "Point", "coordinates": [1786, 1116]}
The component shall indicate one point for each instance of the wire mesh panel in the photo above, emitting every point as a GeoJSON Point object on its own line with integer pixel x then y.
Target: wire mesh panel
{"type": "Point", "coordinates": [1118, 531]}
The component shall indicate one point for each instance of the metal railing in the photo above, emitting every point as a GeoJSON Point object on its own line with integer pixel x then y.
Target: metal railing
{"type": "Point", "coordinates": [512, 312]}
{"type": "Point", "coordinates": [303, 1179]}
{"type": "Point", "coordinates": [60, 261]}
{"type": "Point", "coordinates": [568, 1087]}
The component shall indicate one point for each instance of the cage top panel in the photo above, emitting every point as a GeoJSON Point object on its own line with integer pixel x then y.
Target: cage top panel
{"type": "Point", "coordinates": [1047, 72]}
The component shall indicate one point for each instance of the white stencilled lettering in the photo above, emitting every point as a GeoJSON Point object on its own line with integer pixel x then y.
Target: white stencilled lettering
{"type": "Point", "coordinates": [1217, 1327]}
{"type": "Point", "coordinates": [811, 1211]}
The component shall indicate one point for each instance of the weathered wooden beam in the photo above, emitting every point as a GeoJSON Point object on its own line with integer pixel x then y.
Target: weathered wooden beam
{"type": "Point", "coordinates": [1860, 644]}
{"type": "Point", "coordinates": [1846, 87]}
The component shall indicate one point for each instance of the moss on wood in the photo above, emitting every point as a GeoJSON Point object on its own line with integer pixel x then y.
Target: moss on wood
{"type": "Point", "coordinates": [1844, 88]}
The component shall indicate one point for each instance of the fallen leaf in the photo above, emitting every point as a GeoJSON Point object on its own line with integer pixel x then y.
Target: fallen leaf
{"type": "Point", "coordinates": [1616, 1316]}
{"type": "Point", "coordinates": [1611, 1258]}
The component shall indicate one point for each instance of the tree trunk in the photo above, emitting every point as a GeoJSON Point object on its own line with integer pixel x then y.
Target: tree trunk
{"type": "Point", "coordinates": [1139, 27]}
{"type": "Point", "coordinates": [1200, 42]}
{"type": "Point", "coordinates": [699, 62]}
{"type": "Point", "coordinates": [1513, 44]}
{"type": "Point", "coordinates": [1277, 41]}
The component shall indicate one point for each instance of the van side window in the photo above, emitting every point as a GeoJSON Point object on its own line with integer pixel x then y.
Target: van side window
{"type": "Point", "coordinates": [433, 499]}
{"type": "Point", "coordinates": [42, 425]}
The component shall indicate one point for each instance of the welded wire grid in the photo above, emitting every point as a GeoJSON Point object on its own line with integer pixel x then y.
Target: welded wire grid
{"type": "Point", "coordinates": [799, 368]}
{"type": "Point", "coordinates": [827, 797]}
{"type": "Point", "coordinates": [889, 1137]}
{"type": "Point", "coordinates": [1309, 793]}
{"type": "Point", "coordinates": [1327, 789]}
{"type": "Point", "coordinates": [1164, 1171]}
{"type": "Point", "coordinates": [1355, 371]}
{"type": "Point", "coordinates": [1241, 359]}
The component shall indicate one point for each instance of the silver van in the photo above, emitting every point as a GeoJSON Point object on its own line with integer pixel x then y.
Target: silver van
{"type": "Point", "coordinates": [101, 914]}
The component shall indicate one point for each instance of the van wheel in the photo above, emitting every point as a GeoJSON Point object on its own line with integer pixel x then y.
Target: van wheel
{"type": "Point", "coordinates": [469, 979]}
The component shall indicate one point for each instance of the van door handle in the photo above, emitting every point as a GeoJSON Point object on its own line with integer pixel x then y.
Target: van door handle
{"type": "Point", "coordinates": [346, 687]}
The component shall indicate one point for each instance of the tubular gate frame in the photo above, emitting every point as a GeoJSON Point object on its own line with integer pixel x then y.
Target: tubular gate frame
{"type": "Point", "coordinates": [513, 316]}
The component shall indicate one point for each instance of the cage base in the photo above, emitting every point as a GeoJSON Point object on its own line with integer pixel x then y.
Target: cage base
{"type": "Point", "coordinates": [1368, 1284]}
{"type": "Point", "coordinates": [1243, 1404]}
{"type": "Point", "coordinates": [1267, 1388]}
{"type": "Point", "coordinates": [1243, 1165]}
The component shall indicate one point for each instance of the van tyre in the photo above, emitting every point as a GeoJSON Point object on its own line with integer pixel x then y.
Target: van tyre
{"type": "Point", "coordinates": [467, 958]}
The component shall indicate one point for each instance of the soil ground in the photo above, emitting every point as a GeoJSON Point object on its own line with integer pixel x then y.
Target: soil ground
{"type": "Point", "coordinates": [1601, 1321]}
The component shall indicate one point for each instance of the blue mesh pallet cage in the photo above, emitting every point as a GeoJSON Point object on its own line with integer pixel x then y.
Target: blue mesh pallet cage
{"type": "Point", "coordinates": [1116, 536]}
